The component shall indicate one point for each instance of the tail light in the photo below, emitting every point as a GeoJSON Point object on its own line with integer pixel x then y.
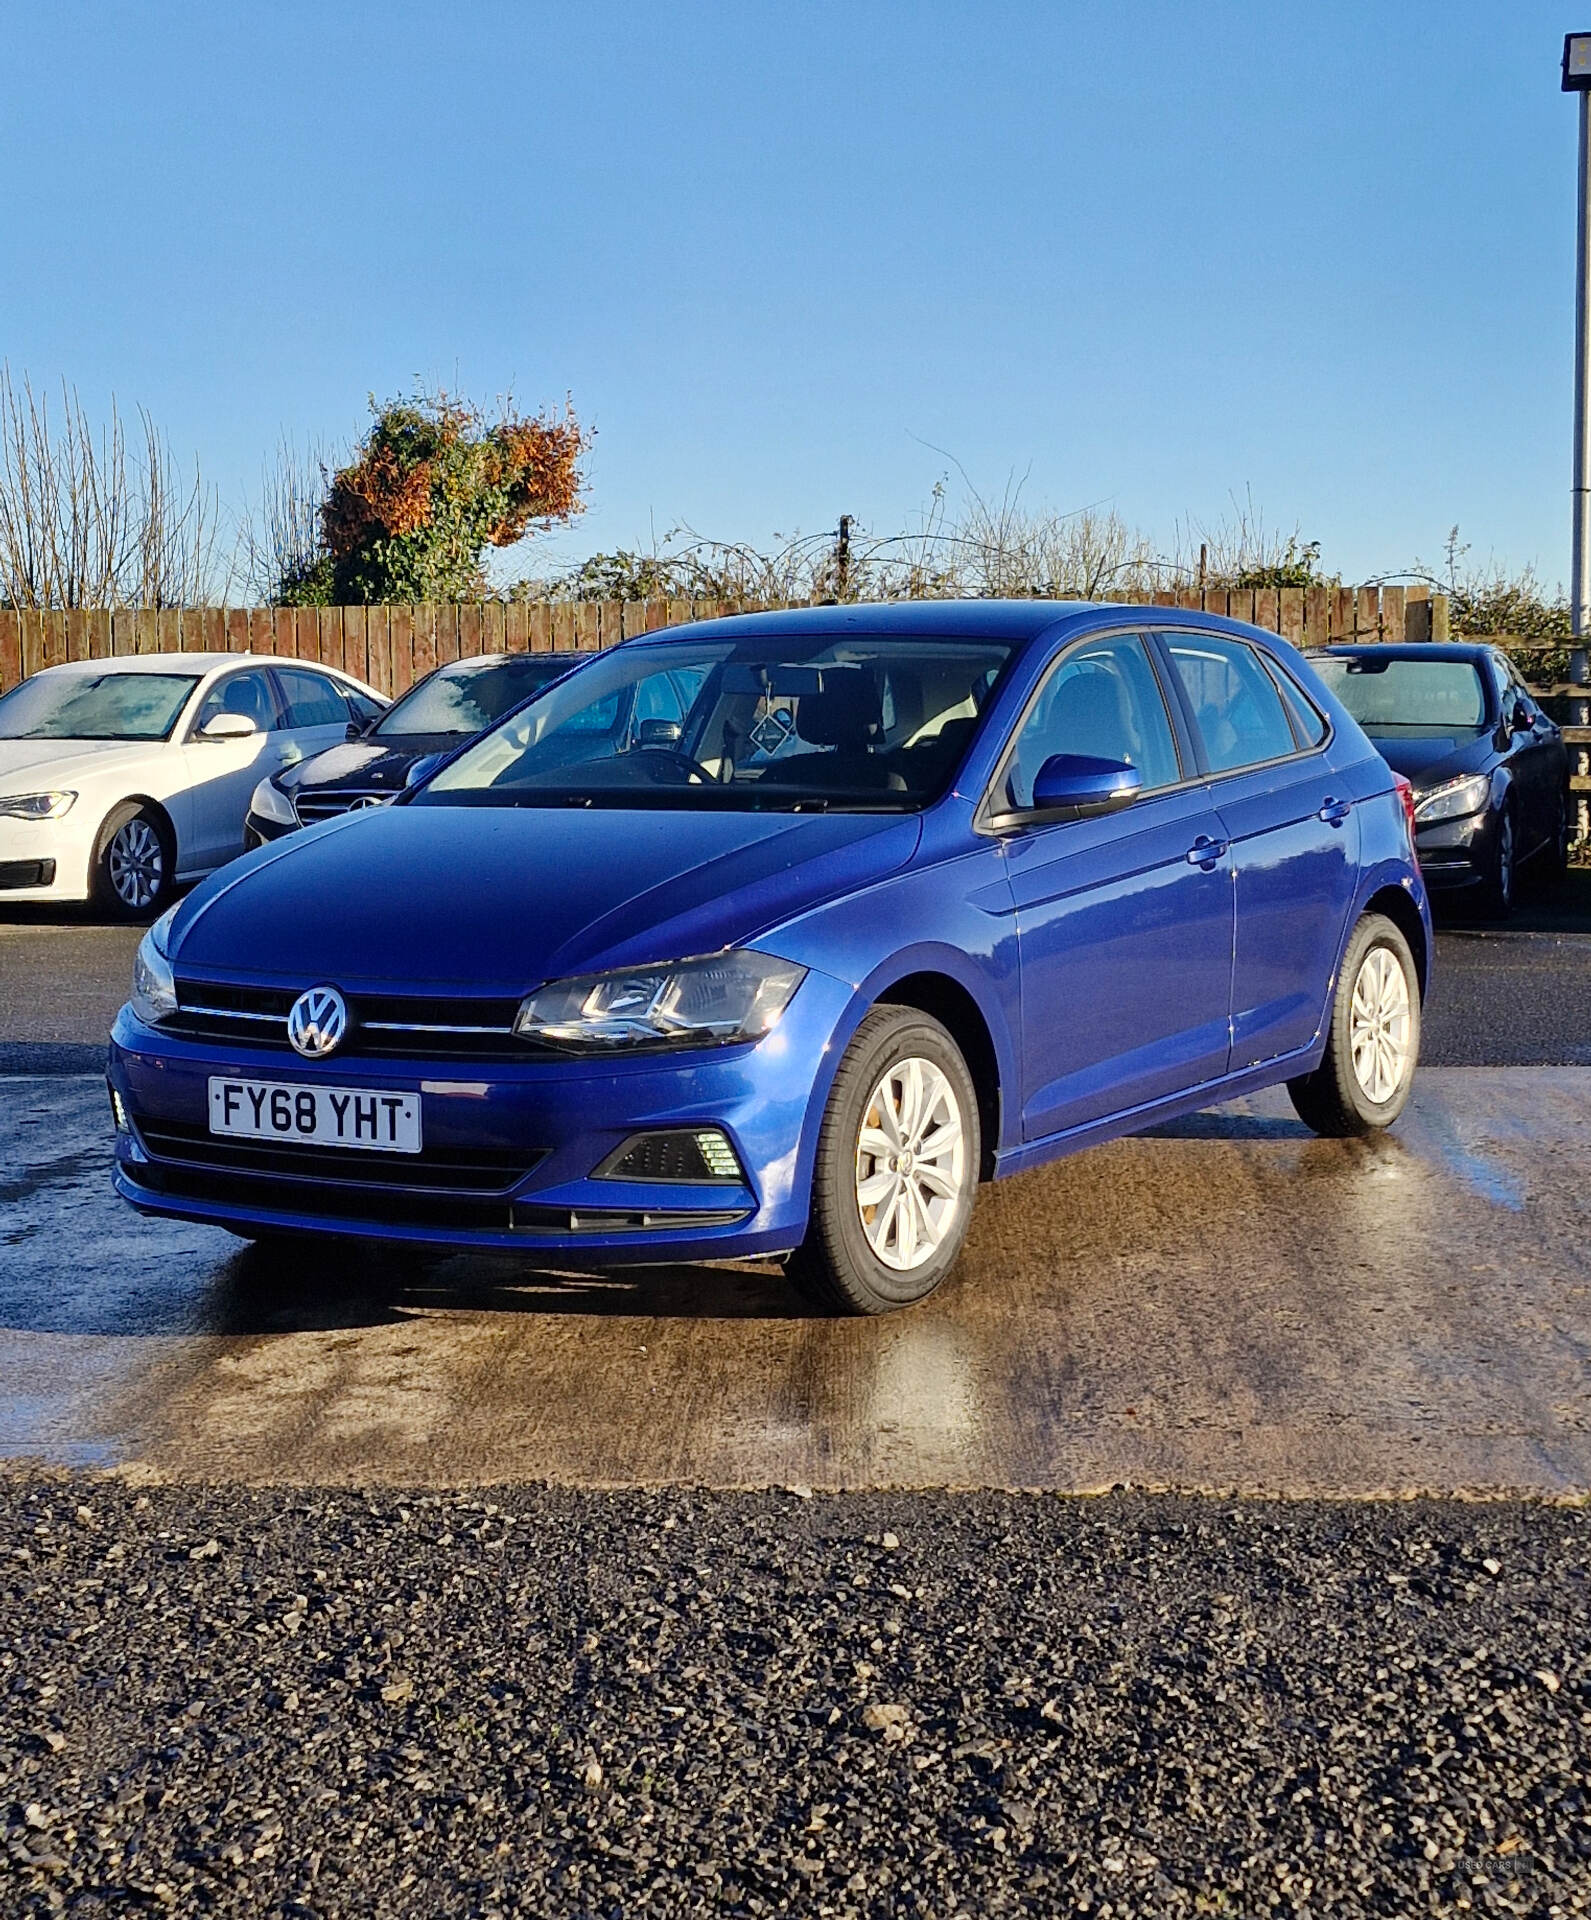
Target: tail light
{"type": "Point", "coordinates": [1405, 789]}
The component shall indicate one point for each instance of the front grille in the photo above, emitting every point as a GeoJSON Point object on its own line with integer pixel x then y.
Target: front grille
{"type": "Point", "coordinates": [479, 1170]}
{"type": "Point", "coordinates": [443, 1027]}
{"type": "Point", "coordinates": [311, 807]}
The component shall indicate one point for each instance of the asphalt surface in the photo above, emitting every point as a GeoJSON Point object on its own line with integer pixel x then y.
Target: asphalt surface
{"type": "Point", "coordinates": [1226, 1302]}
{"type": "Point", "coordinates": [582, 1704]}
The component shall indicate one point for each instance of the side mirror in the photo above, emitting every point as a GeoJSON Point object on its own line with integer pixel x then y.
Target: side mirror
{"type": "Point", "coordinates": [1079, 785]}
{"type": "Point", "coordinates": [356, 729]}
{"type": "Point", "coordinates": [658, 733]}
{"type": "Point", "coordinates": [420, 769]}
{"type": "Point", "coordinates": [1520, 719]}
{"type": "Point", "coordinates": [228, 726]}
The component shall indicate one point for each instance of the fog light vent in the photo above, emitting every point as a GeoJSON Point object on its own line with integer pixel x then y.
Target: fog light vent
{"type": "Point", "coordinates": [699, 1157]}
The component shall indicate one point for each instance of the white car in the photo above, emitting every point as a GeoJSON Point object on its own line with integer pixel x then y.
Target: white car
{"type": "Point", "coordinates": [120, 778]}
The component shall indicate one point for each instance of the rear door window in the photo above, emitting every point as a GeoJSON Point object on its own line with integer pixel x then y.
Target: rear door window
{"type": "Point", "coordinates": [1236, 705]}
{"type": "Point", "coordinates": [312, 699]}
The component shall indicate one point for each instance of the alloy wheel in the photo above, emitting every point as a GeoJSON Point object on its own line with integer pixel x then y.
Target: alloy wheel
{"type": "Point", "coordinates": [911, 1163]}
{"type": "Point", "coordinates": [1380, 1025]}
{"type": "Point", "coordinates": [137, 863]}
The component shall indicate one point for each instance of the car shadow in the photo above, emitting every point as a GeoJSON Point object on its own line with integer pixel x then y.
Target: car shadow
{"type": "Point", "coordinates": [276, 1290]}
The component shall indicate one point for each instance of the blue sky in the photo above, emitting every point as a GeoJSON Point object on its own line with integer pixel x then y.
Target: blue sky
{"type": "Point", "coordinates": [1151, 255]}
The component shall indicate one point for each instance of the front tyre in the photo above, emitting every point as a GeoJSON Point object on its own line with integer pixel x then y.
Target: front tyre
{"type": "Point", "coordinates": [135, 863]}
{"type": "Point", "coordinates": [896, 1170]}
{"type": "Point", "coordinates": [1497, 889]}
{"type": "Point", "coordinates": [1363, 1082]}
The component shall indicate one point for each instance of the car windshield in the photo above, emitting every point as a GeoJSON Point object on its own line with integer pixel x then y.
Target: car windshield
{"type": "Point", "coordinates": [464, 698]}
{"type": "Point", "coordinates": [788, 722]}
{"type": "Point", "coordinates": [1446, 694]}
{"type": "Point", "coordinates": [101, 706]}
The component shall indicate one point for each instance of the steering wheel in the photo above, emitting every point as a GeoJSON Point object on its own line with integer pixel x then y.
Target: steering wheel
{"type": "Point", "coordinates": [694, 772]}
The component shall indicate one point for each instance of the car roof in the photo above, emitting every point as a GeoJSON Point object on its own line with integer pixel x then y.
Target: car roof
{"type": "Point", "coordinates": [1466, 650]}
{"type": "Point", "coordinates": [200, 663]}
{"type": "Point", "coordinates": [922, 619]}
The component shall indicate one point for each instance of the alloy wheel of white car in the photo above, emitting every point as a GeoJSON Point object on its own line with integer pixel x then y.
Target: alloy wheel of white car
{"type": "Point", "coordinates": [137, 863]}
{"type": "Point", "coordinates": [1379, 1025]}
{"type": "Point", "coordinates": [910, 1163]}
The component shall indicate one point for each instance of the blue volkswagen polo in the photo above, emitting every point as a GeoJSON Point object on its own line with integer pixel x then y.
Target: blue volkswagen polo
{"type": "Point", "coordinates": [860, 907]}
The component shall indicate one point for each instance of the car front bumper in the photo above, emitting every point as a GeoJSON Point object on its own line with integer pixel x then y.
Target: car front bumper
{"type": "Point", "coordinates": [43, 860]}
{"type": "Point", "coordinates": [1457, 853]}
{"type": "Point", "coordinates": [563, 1116]}
{"type": "Point", "coordinates": [260, 832]}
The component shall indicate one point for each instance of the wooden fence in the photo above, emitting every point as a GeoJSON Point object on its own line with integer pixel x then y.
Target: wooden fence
{"type": "Point", "coordinates": [391, 647]}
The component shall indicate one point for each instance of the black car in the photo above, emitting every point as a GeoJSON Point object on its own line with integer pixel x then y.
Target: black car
{"type": "Point", "coordinates": [1490, 770]}
{"type": "Point", "coordinates": [436, 715]}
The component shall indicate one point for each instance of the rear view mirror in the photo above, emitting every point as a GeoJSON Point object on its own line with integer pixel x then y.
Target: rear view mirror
{"type": "Point", "coordinates": [1078, 784]}
{"type": "Point", "coordinates": [228, 726]}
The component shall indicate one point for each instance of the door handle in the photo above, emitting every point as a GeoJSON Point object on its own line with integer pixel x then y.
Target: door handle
{"type": "Point", "coordinates": [1334, 812]}
{"type": "Point", "coordinates": [1205, 852]}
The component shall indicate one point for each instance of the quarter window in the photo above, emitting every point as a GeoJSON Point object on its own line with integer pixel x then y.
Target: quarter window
{"type": "Point", "coordinates": [1235, 701]}
{"type": "Point", "coordinates": [1102, 699]}
{"type": "Point", "coordinates": [1308, 727]}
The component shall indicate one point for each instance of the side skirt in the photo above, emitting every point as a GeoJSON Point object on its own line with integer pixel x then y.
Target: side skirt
{"type": "Point", "coordinates": [1209, 1093]}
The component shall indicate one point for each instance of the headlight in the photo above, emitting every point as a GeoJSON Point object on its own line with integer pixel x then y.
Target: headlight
{"type": "Point", "coordinates": [270, 803]}
{"type": "Point", "coordinates": [710, 1002]}
{"type": "Point", "coordinates": [35, 806]}
{"type": "Point", "coordinates": [1453, 799]}
{"type": "Point", "coordinates": [154, 995]}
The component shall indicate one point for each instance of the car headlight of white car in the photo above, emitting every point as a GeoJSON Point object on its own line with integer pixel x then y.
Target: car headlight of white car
{"type": "Point", "coordinates": [35, 806]}
{"type": "Point", "coordinates": [710, 1002]}
{"type": "Point", "coordinates": [270, 803]}
{"type": "Point", "coordinates": [154, 995]}
{"type": "Point", "coordinates": [1453, 799]}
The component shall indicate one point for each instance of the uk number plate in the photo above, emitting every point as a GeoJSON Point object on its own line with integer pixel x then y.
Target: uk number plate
{"type": "Point", "coordinates": [316, 1116]}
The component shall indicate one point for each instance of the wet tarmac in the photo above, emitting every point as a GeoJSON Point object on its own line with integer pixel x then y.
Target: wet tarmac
{"type": "Point", "coordinates": [1228, 1303]}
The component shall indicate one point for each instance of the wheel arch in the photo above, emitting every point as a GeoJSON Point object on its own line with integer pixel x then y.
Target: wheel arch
{"type": "Point", "coordinates": [957, 1010]}
{"type": "Point", "coordinates": [138, 801]}
{"type": "Point", "coordinates": [1395, 903]}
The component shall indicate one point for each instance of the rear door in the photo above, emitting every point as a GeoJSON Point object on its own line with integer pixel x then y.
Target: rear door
{"type": "Point", "coordinates": [1294, 839]}
{"type": "Point", "coordinates": [318, 712]}
{"type": "Point", "coordinates": [1124, 921]}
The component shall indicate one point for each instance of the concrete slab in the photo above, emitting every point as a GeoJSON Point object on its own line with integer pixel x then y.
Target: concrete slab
{"type": "Point", "coordinates": [1228, 1303]}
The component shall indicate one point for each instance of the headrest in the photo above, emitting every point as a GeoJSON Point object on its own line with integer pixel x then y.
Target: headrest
{"type": "Point", "coordinates": [847, 713]}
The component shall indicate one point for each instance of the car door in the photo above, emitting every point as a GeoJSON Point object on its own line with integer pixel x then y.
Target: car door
{"type": "Point", "coordinates": [317, 711]}
{"type": "Point", "coordinates": [1294, 839]}
{"type": "Point", "coordinates": [1536, 755]}
{"type": "Point", "coordinates": [1124, 921]}
{"type": "Point", "coordinates": [223, 773]}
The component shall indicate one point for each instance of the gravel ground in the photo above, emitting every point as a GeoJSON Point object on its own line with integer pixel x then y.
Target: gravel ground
{"type": "Point", "coordinates": [583, 1704]}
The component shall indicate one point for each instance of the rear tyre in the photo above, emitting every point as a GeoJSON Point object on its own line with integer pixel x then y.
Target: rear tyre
{"type": "Point", "coordinates": [896, 1170]}
{"type": "Point", "coordinates": [1363, 1082]}
{"type": "Point", "coordinates": [1497, 890]}
{"type": "Point", "coordinates": [135, 863]}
